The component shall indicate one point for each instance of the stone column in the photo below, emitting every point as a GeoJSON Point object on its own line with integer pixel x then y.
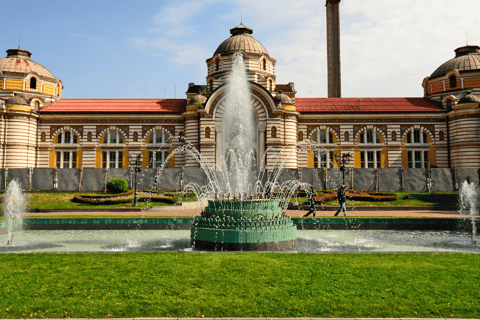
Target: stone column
{"type": "Point", "coordinates": [261, 152]}
{"type": "Point", "coordinates": [218, 142]}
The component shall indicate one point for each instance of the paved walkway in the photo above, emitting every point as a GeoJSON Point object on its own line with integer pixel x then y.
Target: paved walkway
{"type": "Point", "coordinates": [294, 213]}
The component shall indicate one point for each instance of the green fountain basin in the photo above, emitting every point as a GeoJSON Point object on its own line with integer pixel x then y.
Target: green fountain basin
{"type": "Point", "coordinates": [243, 225]}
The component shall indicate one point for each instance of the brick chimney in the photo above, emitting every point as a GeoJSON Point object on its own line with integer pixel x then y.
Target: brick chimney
{"type": "Point", "coordinates": [333, 48]}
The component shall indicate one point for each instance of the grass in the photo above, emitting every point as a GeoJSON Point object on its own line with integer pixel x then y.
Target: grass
{"type": "Point", "coordinates": [63, 200]}
{"type": "Point", "coordinates": [239, 285]}
{"type": "Point", "coordinates": [415, 199]}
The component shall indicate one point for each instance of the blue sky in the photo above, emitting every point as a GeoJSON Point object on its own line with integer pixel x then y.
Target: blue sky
{"type": "Point", "coordinates": [146, 48]}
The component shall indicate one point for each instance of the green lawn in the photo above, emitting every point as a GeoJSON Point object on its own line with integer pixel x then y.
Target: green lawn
{"type": "Point", "coordinates": [63, 200]}
{"type": "Point", "coordinates": [239, 285]}
{"type": "Point", "coordinates": [415, 199]}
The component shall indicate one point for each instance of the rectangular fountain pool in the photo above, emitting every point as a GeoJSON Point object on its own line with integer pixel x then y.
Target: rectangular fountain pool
{"type": "Point", "coordinates": [314, 241]}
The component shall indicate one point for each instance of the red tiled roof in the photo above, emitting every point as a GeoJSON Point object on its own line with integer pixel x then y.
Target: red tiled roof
{"type": "Point", "coordinates": [359, 105]}
{"type": "Point", "coordinates": [117, 106]}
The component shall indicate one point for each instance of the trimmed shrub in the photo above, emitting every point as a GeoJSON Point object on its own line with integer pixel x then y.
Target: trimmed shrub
{"type": "Point", "coordinates": [117, 185]}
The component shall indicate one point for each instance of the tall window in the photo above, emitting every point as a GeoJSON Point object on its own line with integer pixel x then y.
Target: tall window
{"type": "Point", "coordinates": [273, 132]}
{"type": "Point", "coordinates": [300, 136]}
{"type": "Point", "coordinates": [66, 154]}
{"type": "Point", "coordinates": [33, 83]}
{"type": "Point", "coordinates": [264, 64]}
{"type": "Point", "coordinates": [370, 159]}
{"type": "Point", "coordinates": [217, 64]}
{"type": "Point", "coordinates": [156, 158]}
{"type": "Point", "coordinates": [112, 149]}
{"type": "Point", "coordinates": [453, 81]}
{"type": "Point", "coordinates": [112, 159]}
{"type": "Point", "coordinates": [207, 132]}
{"type": "Point", "coordinates": [418, 159]}
{"type": "Point", "coordinates": [158, 145]}
{"type": "Point", "coordinates": [66, 159]}
{"type": "Point", "coordinates": [323, 158]}
{"type": "Point", "coordinates": [418, 149]}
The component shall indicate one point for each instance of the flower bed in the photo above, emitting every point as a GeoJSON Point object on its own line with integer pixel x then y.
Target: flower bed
{"type": "Point", "coordinates": [123, 198]}
{"type": "Point", "coordinates": [359, 196]}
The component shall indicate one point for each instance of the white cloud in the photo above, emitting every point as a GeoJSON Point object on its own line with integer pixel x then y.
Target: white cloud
{"type": "Point", "coordinates": [387, 47]}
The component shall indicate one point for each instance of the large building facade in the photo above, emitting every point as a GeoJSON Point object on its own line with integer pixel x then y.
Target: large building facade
{"type": "Point", "coordinates": [39, 129]}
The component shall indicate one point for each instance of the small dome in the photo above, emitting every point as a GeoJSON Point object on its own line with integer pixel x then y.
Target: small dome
{"type": "Point", "coordinates": [199, 98]}
{"type": "Point", "coordinates": [16, 100]}
{"type": "Point", "coordinates": [283, 98]}
{"type": "Point", "coordinates": [241, 40]}
{"type": "Point", "coordinates": [18, 60]}
{"type": "Point", "coordinates": [469, 98]}
{"type": "Point", "coordinates": [466, 59]}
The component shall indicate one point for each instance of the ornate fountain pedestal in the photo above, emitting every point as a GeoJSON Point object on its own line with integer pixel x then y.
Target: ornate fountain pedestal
{"type": "Point", "coordinates": [248, 225]}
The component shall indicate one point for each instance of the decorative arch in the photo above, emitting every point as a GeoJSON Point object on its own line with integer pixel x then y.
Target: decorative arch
{"type": "Point", "coordinates": [449, 101]}
{"type": "Point", "coordinates": [63, 129]}
{"type": "Point", "coordinates": [102, 133]}
{"type": "Point", "coordinates": [375, 129]}
{"type": "Point", "coordinates": [153, 129]}
{"type": "Point", "coordinates": [422, 129]}
{"type": "Point", "coordinates": [259, 94]}
{"type": "Point", "coordinates": [328, 129]}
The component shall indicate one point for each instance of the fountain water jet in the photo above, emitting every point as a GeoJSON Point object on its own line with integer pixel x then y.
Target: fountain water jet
{"type": "Point", "coordinates": [240, 215]}
{"type": "Point", "coordinates": [14, 205]}
{"type": "Point", "coordinates": [468, 204]}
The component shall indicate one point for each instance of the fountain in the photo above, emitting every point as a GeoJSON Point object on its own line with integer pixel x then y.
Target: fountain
{"type": "Point", "coordinates": [14, 205]}
{"type": "Point", "coordinates": [240, 214]}
{"type": "Point", "coordinates": [468, 204]}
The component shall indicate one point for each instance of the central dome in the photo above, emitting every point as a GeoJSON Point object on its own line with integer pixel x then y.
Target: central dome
{"type": "Point", "coordinates": [466, 59]}
{"type": "Point", "coordinates": [19, 61]}
{"type": "Point", "coordinates": [241, 40]}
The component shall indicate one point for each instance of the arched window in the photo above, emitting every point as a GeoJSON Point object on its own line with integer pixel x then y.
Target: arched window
{"type": "Point", "coordinates": [207, 132]}
{"type": "Point", "coordinates": [158, 148]}
{"type": "Point", "coordinates": [370, 136]}
{"type": "Point", "coordinates": [43, 137]}
{"type": "Point", "coordinates": [113, 137]}
{"type": "Point", "coordinates": [453, 81]}
{"type": "Point", "coordinates": [394, 136]}
{"type": "Point", "coordinates": [418, 157]}
{"type": "Point", "coordinates": [217, 64]}
{"type": "Point", "coordinates": [112, 149]}
{"type": "Point", "coordinates": [264, 64]}
{"type": "Point", "coordinates": [210, 85]}
{"type": "Point", "coordinates": [300, 136]}
{"type": "Point", "coordinates": [67, 137]}
{"type": "Point", "coordinates": [270, 84]}
{"type": "Point", "coordinates": [347, 136]}
{"type": "Point", "coordinates": [33, 83]}
{"type": "Point", "coordinates": [66, 156]}
{"type": "Point", "coordinates": [273, 132]}
{"type": "Point", "coordinates": [442, 136]}
{"type": "Point", "coordinates": [37, 105]}
{"type": "Point", "coordinates": [449, 104]}
{"type": "Point", "coordinates": [135, 136]}
{"type": "Point", "coordinates": [89, 136]}
{"type": "Point", "coordinates": [323, 138]}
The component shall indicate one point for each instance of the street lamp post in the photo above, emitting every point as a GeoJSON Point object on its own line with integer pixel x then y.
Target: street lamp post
{"type": "Point", "coordinates": [345, 158]}
{"type": "Point", "coordinates": [135, 162]}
